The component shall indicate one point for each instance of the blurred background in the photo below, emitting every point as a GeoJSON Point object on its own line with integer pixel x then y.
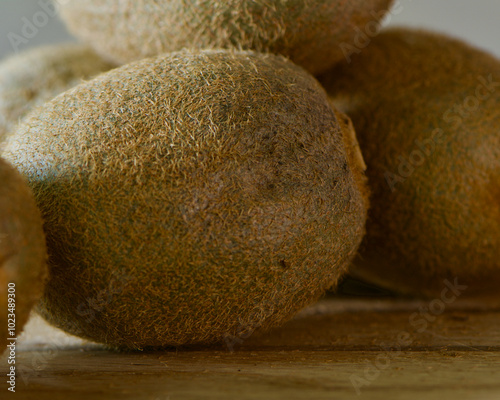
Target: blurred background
{"type": "Point", "coordinates": [31, 23]}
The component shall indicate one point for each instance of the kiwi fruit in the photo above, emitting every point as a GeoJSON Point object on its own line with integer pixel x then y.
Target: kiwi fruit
{"type": "Point", "coordinates": [29, 79]}
{"type": "Point", "coordinates": [426, 109]}
{"type": "Point", "coordinates": [310, 32]}
{"type": "Point", "coordinates": [190, 197]}
{"type": "Point", "coordinates": [23, 255]}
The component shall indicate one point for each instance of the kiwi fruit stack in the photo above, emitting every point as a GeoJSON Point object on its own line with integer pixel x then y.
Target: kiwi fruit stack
{"type": "Point", "coordinates": [309, 32]}
{"type": "Point", "coordinates": [23, 254]}
{"type": "Point", "coordinates": [216, 188]}
{"type": "Point", "coordinates": [189, 195]}
{"type": "Point", "coordinates": [31, 78]}
{"type": "Point", "coordinates": [426, 109]}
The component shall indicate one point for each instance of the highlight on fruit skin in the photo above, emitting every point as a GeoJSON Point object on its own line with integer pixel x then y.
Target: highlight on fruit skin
{"type": "Point", "coordinates": [189, 197]}
{"type": "Point", "coordinates": [426, 108]}
{"type": "Point", "coordinates": [309, 32]}
{"type": "Point", "coordinates": [23, 267]}
{"type": "Point", "coordinates": [31, 78]}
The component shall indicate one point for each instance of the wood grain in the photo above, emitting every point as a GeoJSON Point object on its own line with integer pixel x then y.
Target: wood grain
{"type": "Point", "coordinates": [338, 349]}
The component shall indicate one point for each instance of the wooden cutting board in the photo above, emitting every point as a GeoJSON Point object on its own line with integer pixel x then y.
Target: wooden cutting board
{"type": "Point", "coordinates": [341, 348]}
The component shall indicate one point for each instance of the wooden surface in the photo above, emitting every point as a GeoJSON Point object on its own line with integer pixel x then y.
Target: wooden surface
{"type": "Point", "coordinates": [337, 349]}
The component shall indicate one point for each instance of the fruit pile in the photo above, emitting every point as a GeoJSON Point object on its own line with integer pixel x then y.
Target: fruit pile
{"type": "Point", "coordinates": [205, 169]}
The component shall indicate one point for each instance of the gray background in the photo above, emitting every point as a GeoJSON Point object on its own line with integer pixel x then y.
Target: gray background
{"type": "Point", "coordinates": [476, 21]}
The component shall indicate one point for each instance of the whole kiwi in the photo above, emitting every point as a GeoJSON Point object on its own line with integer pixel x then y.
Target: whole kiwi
{"type": "Point", "coordinates": [191, 197]}
{"type": "Point", "coordinates": [29, 79]}
{"type": "Point", "coordinates": [23, 255]}
{"type": "Point", "coordinates": [426, 109]}
{"type": "Point", "coordinates": [310, 32]}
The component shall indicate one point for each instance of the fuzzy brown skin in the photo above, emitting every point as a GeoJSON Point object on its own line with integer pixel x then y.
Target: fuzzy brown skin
{"type": "Point", "coordinates": [190, 198]}
{"type": "Point", "coordinates": [309, 32]}
{"type": "Point", "coordinates": [441, 219]}
{"type": "Point", "coordinates": [23, 253]}
{"type": "Point", "coordinates": [356, 160]}
{"type": "Point", "coordinates": [29, 79]}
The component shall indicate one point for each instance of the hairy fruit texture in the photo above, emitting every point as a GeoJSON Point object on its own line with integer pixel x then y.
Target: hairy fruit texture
{"type": "Point", "coordinates": [23, 255]}
{"type": "Point", "coordinates": [189, 197]}
{"type": "Point", "coordinates": [310, 32]}
{"type": "Point", "coordinates": [29, 79]}
{"type": "Point", "coordinates": [426, 109]}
